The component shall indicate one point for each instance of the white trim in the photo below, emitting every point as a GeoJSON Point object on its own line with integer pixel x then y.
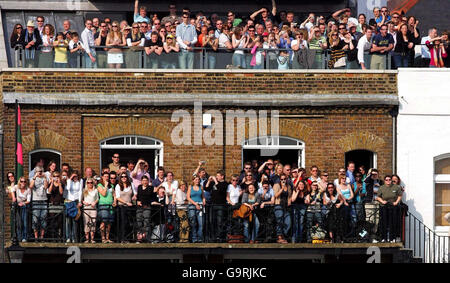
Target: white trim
{"type": "Point", "coordinates": [441, 178]}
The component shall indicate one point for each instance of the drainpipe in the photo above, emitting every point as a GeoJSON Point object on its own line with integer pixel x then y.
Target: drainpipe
{"type": "Point", "coordinates": [394, 114]}
{"type": "Point", "coordinates": [2, 201]}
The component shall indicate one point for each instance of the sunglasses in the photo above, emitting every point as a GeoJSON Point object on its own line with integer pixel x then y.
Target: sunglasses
{"type": "Point", "coordinates": [124, 177]}
{"type": "Point", "coordinates": [115, 27]}
{"type": "Point", "coordinates": [283, 179]}
{"type": "Point", "coordinates": [23, 181]}
{"type": "Point", "coordinates": [325, 175]}
{"type": "Point", "coordinates": [115, 156]}
{"type": "Point", "coordinates": [89, 182]}
{"type": "Point", "coordinates": [18, 27]}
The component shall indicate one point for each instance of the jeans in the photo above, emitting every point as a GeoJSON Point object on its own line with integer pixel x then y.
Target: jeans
{"type": "Point", "coordinates": [71, 228]}
{"type": "Point", "coordinates": [39, 211]}
{"type": "Point", "coordinates": [313, 216]}
{"type": "Point", "coordinates": [238, 60]}
{"type": "Point", "coordinates": [196, 223]}
{"type": "Point", "coordinates": [186, 59]}
{"type": "Point", "coordinates": [60, 65]}
{"type": "Point", "coordinates": [283, 219]}
{"type": "Point", "coordinates": [400, 61]}
{"type": "Point", "coordinates": [211, 60]}
{"type": "Point", "coordinates": [143, 219]}
{"type": "Point", "coordinates": [390, 223]}
{"type": "Point", "coordinates": [124, 221]}
{"type": "Point", "coordinates": [152, 61]}
{"type": "Point", "coordinates": [22, 233]}
{"type": "Point", "coordinates": [88, 64]}
{"type": "Point", "coordinates": [217, 223]}
{"type": "Point", "coordinates": [299, 221]}
{"type": "Point", "coordinates": [254, 231]}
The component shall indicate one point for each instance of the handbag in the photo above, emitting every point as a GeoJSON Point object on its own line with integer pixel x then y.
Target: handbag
{"type": "Point", "coordinates": [341, 62]}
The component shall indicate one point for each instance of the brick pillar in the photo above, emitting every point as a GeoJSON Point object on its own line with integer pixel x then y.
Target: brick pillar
{"type": "Point", "coordinates": [2, 194]}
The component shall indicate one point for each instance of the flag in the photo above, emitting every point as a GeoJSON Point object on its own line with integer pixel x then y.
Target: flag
{"type": "Point", "coordinates": [19, 150]}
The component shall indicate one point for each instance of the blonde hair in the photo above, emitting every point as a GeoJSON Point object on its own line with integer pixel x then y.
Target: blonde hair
{"type": "Point", "coordinates": [86, 189]}
{"type": "Point", "coordinates": [114, 34]}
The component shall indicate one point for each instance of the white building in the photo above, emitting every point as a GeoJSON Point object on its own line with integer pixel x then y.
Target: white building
{"type": "Point", "coordinates": [423, 144]}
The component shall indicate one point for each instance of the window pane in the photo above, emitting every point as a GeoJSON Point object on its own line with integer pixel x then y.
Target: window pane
{"type": "Point", "coordinates": [442, 166]}
{"type": "Point", "coordinates": [285, 141]}
{"type": "Point", "coordinates": [142, 141]}
{"type": "Point", "coordinates": [442, 197]}
{"type": "Point", "coordinates": [115, 141]}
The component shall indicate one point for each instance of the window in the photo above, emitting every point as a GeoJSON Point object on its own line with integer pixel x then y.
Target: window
{"type": "Point", "coordinates": [441, 189]}
{"type": "Point", "coordinates": [361, 157]}
{"type": "Point", "coordinates": [132, 148]}
{"type": "Point", "coordinates": [287, 150]}
{"type": "Point", "coordinates": [47, 155]}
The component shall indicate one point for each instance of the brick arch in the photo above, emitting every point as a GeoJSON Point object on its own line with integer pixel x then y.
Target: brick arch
{"type": "Point", "coordinates": [287, 128]}
{"type": "Point", "coordinates": [361, 140]}
{"type": "Point", "coordinates": [44, 139]}
{"type": "Point", "coordinates": [132, 126]}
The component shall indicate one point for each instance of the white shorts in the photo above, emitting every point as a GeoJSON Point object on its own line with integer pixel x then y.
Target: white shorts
{"type": "Point", "coordinates": [115, 58]}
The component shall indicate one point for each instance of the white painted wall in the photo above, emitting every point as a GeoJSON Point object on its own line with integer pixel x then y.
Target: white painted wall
{"type": "Point", "coordinates": [423, 133]}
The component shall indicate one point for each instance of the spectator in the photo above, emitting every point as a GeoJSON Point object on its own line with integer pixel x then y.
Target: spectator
{"type": "Point", "coordinates": [415, 35]}
{"type": "Point", "coordinates": [31, 41]}
{"type": "Point", "coordinates": [95, 24]}
{"type": "Point", "coordinates": [341, 172]}
{"type": "Point", "coordinates": [359, 190]}
{"type": "Point", "coordinates": [87, 37]}
{"type": "Point", "coordinates": [362, 170]}
{"type": "Point", "coordinates": [211, 45]}
{"type": "Point", "coordinates": [160, 173]}
{"type": "Point", "coordinates": [323, 183]}
{"type": "Point", "coordinates": [89, 199]}
{"type": "Point", "coordinates": [145, 194]}
{"type": "Point", "coordinates": [234, 191]}
{"type": "Point", "coordinates": [299, 195]}
{"type": "Point", "coordinates": [40, 25]}
{"type": "Point", "coordinates": [38, 186]}
{"type": "Point", "coordinates": [337, 54]}
{"type": "Point", "coordinates": [105, 204]}
{"type": "Point", "coordinates": [252, 200]}
{"type": "Point", "coordinates": [397, 181]}
{"type": "Point", "coordinates": [130, 168]}
{"type": "Point", "coordinates": [11, 186]}
{"type": "Point", "coordinates": [224, 40]}
{"type": "Point", "coordinates": [51, 168]}
{"type": "Point", "coordinates": [76, 49]}
{"type": "Point", "coordinates": [172, 17]}
{"type": "Point", "coordinates": [348, 213]}
{"type": "Point", "coordinates": [23, 200]}
{"type": "Point", "coordinates": [196, 202]}
{"type": "Point", "coordinates": [389, 197]}
{"type": "Point", "coordinates": [218, 187]}
{"type": "Point", "coordinates": [364, 46]}
{"type": "Point", "coordinates": [332, 203]}
{"type": "Point", "coordinates": [381, 45]}
{"type": "Point", "coordinates": [17, 38]}
{"type": "Point", "coordinates": [308, 23]}
{"type": "Point", "coordinates": [134, 40]}
{"type": "Point", "coordinates": [361, 22]}
{"type": "Point", "coordinates": [437, 52]}
{"type": "Point", "coordinates": [139, 171]}
{"type": "Point", "coordinates": [181, 204]}
{"type": "Point", "coordinates": [67, 33]}
{"type": "Point", "coordinates": [186, 38]}
{"type": "Point", "coordinates": [314, 212]}
{"type": "Point", "coordinates": [298, 45]}
{"type": "Point", "coordinates": [319, 43]}
{"type": "Point", "coordinates": [72, 200]}
{"type": "Point", "coordinates": [350, 172]}
{"type": "Point", "coordinates": [140, 13]}
{"type": "Point", "coordinates": [282, 193]}
{"type": "Point", "coordinates": [100, 40]}
{"type": "Point", "coordinates": [404, 47]}
{"type": "Point", "coordinates": [115, 55]}
{"type": "Point", "coordinates": [124, 192]}
{"type": "Point", "coordinates": [60, 45]}
{"type": "Point", "coordinates": [239, 41]}
{"type": "Point", "coordinates": [46, 54]}
{"type": "Point", "coordinates": [153, 49]}
{"type": "Point", "coordinates": [262, 15]}
{"type": "Point", "coordinates": [426, 56]}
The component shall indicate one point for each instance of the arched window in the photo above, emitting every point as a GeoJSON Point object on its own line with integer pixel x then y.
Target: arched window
{"type": "Point", "coordinates": [47, 155]}
{"type": "Point", "coordinates": [287, 150]}
{"type": "Point", "coordinates": [132, 147]}
{"type": "Point", "coordinates": [441, 189]}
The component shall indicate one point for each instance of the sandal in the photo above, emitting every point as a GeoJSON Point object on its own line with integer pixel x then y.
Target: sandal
{"type": "Point", "coordinates": [104, 241]}
{"type": "Point", "coordinates": [93, 242]}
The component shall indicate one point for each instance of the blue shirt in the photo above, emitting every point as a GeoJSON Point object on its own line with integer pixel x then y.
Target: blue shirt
{"type": "Point", "coordinates": [186, 33]}
{"type": "Point", "coordinates": [381, 41]}
{"type": "Point", "coordinates": [349, 174]}
{"type": "Point", "coordinates": [196, 195]}
{"type": "Point", "coordinates": [363, 190]}
{"type": "Point", "coordinates": [139, 19]}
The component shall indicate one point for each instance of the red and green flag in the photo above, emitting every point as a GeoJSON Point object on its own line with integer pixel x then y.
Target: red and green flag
{"type": "Point", "coordinates": [19, 150]}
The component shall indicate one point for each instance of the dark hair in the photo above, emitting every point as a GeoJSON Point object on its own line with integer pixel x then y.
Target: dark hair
{"type": "Point", "coordinates": [144, 177]}
{"type": "Point", "coordinates": [265, 183]}
{"type": "Point", "coordinates": [221, 172]}
{"type": "Point", "coordinates": [112, 173]}
{"type": "Point", "coordinates": [160, 168]}
{"type": "Point", "coordinates": [75, 34]}
{"type": "Point", "coordinates": [334, 190]}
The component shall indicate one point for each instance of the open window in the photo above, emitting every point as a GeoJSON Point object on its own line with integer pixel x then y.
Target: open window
{"type": "Point", "coordinates": [360, 157]}
{"type": "Point", "coordinates": [441, 189]}
{"type": "Point", "coordinates": [287, 150]}
{"type": "Point", "coordinates": [132, 148]}
{"type": "Point", "coordinates": [47, 155]}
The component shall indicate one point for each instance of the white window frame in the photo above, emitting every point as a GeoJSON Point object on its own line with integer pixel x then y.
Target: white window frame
{"type": "Point", "coordinates": [30, 168]}
{"type": "Point", "coordinates": [439, 179]}
{"type": "Point", "coordinates": [275, 144]}
{"type": "Point", "coordinates": [158, 146]}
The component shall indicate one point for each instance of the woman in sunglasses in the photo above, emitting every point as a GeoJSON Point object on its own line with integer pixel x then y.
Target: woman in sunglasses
{"type": "Point", "coordinates": [105, 204]}
{"type": "Point", "coordinates": [38, 186]}
{"type": "Point", "coordinates": [283, 194]}
{"type": "Point", "coordinates": [89, 200]}
{"type": "Point", "coordinates": [23, 200]}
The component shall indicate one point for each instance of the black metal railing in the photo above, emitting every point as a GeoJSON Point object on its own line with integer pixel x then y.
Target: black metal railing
{"type": "Point", "coordinates": [219, 223]}
{"type": "Point", "coordinates": [424, 242]}
{"type": "Point", "coordinates": [202, 59]}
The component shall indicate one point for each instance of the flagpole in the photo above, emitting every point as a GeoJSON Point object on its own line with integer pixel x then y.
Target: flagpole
{"type": "Point", "coordinates": [15, 146]}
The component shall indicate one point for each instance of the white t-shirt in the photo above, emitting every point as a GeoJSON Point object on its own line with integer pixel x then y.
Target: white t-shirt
{"type": "Point", "coordinates": [336, 181]}
{"type": "Point", "coordinates": [126, 190]}
{"type": "Point", "coordinates": [223, 38]}
{"type": "Point", "coordinates": [234, 192]}
{"type": "Point", "coordinates": [173, 188]}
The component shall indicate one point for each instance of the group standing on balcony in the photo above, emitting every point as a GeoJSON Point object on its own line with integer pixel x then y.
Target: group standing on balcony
{"type": "Point", "coordinates": [175, 41]}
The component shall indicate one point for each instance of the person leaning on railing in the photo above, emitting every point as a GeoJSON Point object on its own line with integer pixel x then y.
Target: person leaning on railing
{"type": "Point", "coordinates": [153, 49]}
{"type": "Point", "coordinates": [76, 49]}
{"type": "Point", "coordinates": [371, 207]}
{"type": "Point", "coordinates": [72, 201]}
{"type": "Point", "coordinates": [134, 40]}
{"type": "Point", "coordinates": [181, 206]}
{"type": "Point", "coordinates": [171, 48]}
{"type": "Point", "coordinates": [105, 204]}
{"type": "Point", "coordinates": [125, 193]}
{"type": "Point", "coordinates": [314, 216]}
{"type": "Point", "coordinates": [332, 202]}
{"type": "Point", "coordinates": [60, 45]}
{"type": "Point", "coordinates": [282, 193]}
{"type": "Point", "coordinates": [31, 41]}
{"type": "Point", "coordinates": [389, 197]}
{"type": "Point", "coordinates": [217, 186]}
{"type": "Point", "coordinates": [38, 186]}
{"type": "Point", "coordinates": [46, 52]}
{"type": "Point", "coordinates": [89, 198]}
{"type": "Point", "coordinates": [55, 204]}
{"type": "Point", "coordinates": [299, 195]}
{"type": "Point", "coordinates": [186, 38]}
{"type": "Point", "coordinates": [364, 46]}
{"type": "Point", "coordinates": [145, 193]}
{"type": "Point", "coordinates": [115, 40]}
{"type": "Point", "coordinates": [252, 200]}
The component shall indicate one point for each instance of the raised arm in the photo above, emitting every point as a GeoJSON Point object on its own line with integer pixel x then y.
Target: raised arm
{"type": "Point", "coordinates": [136, 7]}
{"type": "Point", "coordinates": [274, 8]}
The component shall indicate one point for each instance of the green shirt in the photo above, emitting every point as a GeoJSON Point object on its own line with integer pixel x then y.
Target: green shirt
{"type": "Point", "coordinates": [314, 43]}
{"type": "Point", "coordinates": [389, 193]}
{"type": "Point", "coordinates": [105, 200]}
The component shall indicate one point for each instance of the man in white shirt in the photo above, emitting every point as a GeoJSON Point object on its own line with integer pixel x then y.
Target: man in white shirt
{"type": "Point", "coordinates": [426, 57]}
{"type": "Point", "coordinates": [40, 25]}
{"type": "Point", "coordinates": [87, 37]}
{"type": "Point", "coordinates": [364, 45]}
{"type": "Point", "coordinates": [186, 38]}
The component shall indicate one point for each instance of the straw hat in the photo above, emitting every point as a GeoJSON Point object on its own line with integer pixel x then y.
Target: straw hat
{"type": "Point", "coordinates": [30, 23]}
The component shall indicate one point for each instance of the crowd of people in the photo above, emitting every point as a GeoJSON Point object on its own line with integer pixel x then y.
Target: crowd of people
{"type": "Point", "coordinates": [266, 38]}
{"type": "Point", "coordinates": [123, 203]}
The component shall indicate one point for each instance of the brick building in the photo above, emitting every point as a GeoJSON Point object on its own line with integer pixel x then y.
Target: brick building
{"type": "Point", "coordinates": [81, 118]}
